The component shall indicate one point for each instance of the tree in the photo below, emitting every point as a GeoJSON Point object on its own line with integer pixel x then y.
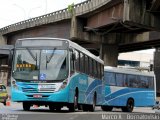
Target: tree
{"type": "Point", "coordinates": [71, 8]}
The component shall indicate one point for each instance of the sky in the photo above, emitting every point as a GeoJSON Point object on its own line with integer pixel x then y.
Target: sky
{"type": "Point", "coordinates": [13, 11]}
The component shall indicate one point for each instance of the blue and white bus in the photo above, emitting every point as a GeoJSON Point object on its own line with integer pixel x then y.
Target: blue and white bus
{"type": "Point", "coordinates": [55, 72]}
{"type": "Point", "coordinates": [126, 89]}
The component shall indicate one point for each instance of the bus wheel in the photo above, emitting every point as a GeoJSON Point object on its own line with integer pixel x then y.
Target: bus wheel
{"type": "Point", "coordinates": [51, 108]}
{"type": "Point", "coordinates": [85, 108]}
{"type": "Point", "coordinates": [129, 107]}
{"type": "Point", "coordinates": [73, 106]}
{"type": "Point", "coordinates": [26, 106]}
{"type": "Point", "coordinates": [107, 108]}
{"type": "Point", "coordinates": [92, 107]}
{"type": "Point", "coordinates": [80, 107]}
{"type": "Point", "coordinates": [58, 109]}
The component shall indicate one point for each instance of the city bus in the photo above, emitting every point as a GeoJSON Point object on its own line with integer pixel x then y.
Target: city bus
{"type": "Point", "coordinates": [55, 72]}
{"type": "Point", "coordinates": [127, 88]}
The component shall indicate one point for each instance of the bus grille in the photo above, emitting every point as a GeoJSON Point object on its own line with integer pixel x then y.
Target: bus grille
{"type": "Point", "coordinates": [35, 90]}
{"type": "Point", "coordinates": [47, 90]}
{"type": "Point", "coordinates": [29, 90]}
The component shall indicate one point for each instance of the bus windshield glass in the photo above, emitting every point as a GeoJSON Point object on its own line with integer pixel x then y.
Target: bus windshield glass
{"type": "Point", "coordinates": [44, 64]}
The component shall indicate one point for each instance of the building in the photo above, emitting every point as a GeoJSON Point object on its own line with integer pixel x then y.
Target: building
{"type": "Point", "coordinates": [136, 60]}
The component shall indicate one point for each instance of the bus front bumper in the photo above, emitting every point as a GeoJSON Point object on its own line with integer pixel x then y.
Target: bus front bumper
{"type": "Point", "coordinates": [60, 96]}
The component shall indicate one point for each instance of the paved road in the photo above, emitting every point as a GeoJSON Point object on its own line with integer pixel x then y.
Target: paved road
{"type": "Point", "coordinates": [17, 108]}
{"type": "Point", "coordinates": [15, 112]}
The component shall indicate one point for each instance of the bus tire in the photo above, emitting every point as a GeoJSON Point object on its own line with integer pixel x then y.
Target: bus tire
{"type": "Point", "coordinates": [73, 106]}
{"type": "Point", "coordinates": [80, 107]}
{"type": "Point", "coordinates": [85, 108]}
{"type": "Point", "coordinates": [92, 107]}
{"type": "Point", "coordinates": [129, 106]}
{"type": "Point", "coordinates": [26, 106]}
{"type": "Point", "coordinates": [106, 108]}
{"type": "Point", "coordinates": [58, 109]}
{"type": "Point", "coordinates": [51, 108]}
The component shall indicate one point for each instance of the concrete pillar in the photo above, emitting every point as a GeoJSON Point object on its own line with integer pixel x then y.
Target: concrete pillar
{"type": "Point", "coordinates": [3, 40]}
{"type": "Point", "coordinates": [109, 53]}
{"type": "Point", "coordinates": [76, 28]}
{"type": "Point", "coordinates": [73, 32]}
{"type": "Point", "coordinates": [157, 70]}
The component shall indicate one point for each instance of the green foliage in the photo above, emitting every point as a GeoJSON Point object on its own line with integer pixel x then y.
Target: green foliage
{"type": "Point", "coordinates": [71, 7]}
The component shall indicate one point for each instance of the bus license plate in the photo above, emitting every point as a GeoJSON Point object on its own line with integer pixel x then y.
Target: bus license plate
{"type": "Point", "coordinates": [37, 96]}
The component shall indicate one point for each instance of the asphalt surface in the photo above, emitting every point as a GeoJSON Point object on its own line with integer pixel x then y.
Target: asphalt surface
{"type": "Point", "coordinates": [15, 112]}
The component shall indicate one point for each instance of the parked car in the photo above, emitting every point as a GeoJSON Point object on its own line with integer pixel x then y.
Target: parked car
{"type": "Point", "coordinates": [3, 94]}
{"type": "Point", "coordinates": [157, 105]}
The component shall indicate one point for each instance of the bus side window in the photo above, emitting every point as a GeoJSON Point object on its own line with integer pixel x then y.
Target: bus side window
{"type": "Point", "coordinates": [71, 62]}
{"type": "Point", "coordinates": [151, 82]}
{"type": "Point", "coordinates": [132, 81]}
{"type": "Point", "coordinates": [77, 61]}
{"type": "Point", "coordinates": [109, 78]}
{"type": "Point", "coordinates": [99, 70]}
{"type": "Point", "coordinates": [125, 84]}
{"type": "Point", "coordinates": [86, 64]}
{"type": "Point", "coordinates": [95, 69]}
{"type": "Point", "coordinates": [120, 80]}
{"type": "Point", "coordinates": [90, 67]}
{"type": "Point", "coordinates": [81, 62]}
{"type": "Point", "coordinates": [143, 82]}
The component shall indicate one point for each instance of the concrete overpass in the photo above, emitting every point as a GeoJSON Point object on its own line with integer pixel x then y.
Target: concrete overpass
{"type": "Point", "coordinates": [102, 25]}
{"type": "Point", "coordinates": [106, 27]}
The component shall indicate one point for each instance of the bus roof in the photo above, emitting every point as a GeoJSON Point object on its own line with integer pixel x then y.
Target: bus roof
{"type": "Point", "coordinates": [127, 71]}
{"type": "Point", "coordinates": [71, 44]}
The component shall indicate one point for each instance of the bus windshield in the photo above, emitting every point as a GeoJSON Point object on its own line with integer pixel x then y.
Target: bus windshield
{"type": "Point", "coordinates": [45, 64]}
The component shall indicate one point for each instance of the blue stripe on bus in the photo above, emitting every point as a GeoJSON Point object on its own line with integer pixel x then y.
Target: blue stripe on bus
{"type": "Point", "coordinates": [86, 90]}
{"type": "Point", "coordinates": [119, 98]}
{"type": "Point", "coordinates": [96, 85]}
{"type": "Point", "coordinates": [27, 85]}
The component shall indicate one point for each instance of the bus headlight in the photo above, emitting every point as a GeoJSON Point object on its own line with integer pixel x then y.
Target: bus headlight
{"type": "Point", "coordinates": [14, 85]}
{"type": "Point", "coordinates": [14, 82]}
{"type": "Point", "coordinates": [64, 84]}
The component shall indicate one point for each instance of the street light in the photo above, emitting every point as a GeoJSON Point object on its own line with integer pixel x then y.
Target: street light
{"type": "Point", "coordinates": [21, 9]}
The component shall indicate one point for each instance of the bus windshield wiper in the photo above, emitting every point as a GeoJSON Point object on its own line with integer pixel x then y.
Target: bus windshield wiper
{"type": "Point", "coordinates": [32, 55]}
{"type": "Point", "coordinates": [50, 57]}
